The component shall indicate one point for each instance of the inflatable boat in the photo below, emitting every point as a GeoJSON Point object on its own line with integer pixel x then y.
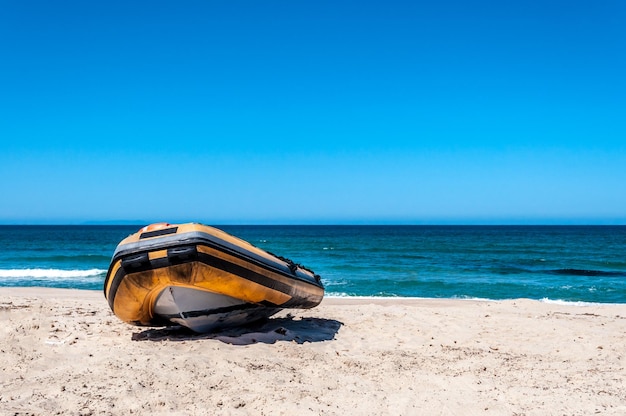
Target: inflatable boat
{"type": "Point", "coordinates": [202, 278]}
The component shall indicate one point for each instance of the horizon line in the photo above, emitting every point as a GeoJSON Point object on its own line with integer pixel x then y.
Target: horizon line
{"type": "Point", "coordinates": [139, 223]}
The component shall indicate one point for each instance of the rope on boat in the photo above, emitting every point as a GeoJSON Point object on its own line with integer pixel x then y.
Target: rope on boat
{"type": "Point", "coordinates": [293, 266]}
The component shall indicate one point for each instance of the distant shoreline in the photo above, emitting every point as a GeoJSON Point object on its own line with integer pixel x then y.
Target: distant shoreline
{"type": "Point", "coordinates": [252, 224]}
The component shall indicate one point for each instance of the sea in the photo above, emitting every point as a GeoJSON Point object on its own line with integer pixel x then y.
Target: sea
{"type": "Point", "coordinates": [572, 264]}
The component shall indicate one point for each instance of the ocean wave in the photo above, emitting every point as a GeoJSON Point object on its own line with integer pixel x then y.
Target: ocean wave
{"type": "Point", "coordinates": [50, 273]}
{"type": "Point", "coordinates": [585, 272]}
{"type": "Point", "coordinates": [512, 270]}
{"type": "Point", "coordinates": [61, 258]}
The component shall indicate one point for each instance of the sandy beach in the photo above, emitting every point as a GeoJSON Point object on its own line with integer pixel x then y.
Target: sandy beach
{"type": "Point", "coordinates": [64, 352]}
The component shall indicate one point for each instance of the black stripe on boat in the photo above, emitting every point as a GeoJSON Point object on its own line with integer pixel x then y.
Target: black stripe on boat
{"type": "Point", "coordinates": [157, 233]}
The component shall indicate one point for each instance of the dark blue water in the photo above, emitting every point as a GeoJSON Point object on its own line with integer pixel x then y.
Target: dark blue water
{"type": "Point", "coordinates": [569, 263]}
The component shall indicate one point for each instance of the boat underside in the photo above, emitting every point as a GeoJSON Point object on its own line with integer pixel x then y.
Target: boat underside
{"type": "Point", "coordinates": [204, 311]}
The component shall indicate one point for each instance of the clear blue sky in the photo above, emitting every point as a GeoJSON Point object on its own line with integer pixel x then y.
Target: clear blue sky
{"type": "Point", "coordinates": [313, 111]}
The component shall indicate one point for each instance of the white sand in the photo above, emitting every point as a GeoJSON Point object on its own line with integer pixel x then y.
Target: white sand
{"type": "Point", "coordinates": [63, 352]}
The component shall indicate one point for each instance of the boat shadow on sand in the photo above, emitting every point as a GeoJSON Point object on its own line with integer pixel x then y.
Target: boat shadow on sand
{"type": "Point", "coordinates": [267, 331]}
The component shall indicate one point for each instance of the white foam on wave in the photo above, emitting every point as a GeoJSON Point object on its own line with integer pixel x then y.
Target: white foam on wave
{"type": "Point", "coordinates": [343, 295]}
{"type": "Point", "coordinates": [573, 303]}
{"type": "Point", "coordinates": [50, 274]}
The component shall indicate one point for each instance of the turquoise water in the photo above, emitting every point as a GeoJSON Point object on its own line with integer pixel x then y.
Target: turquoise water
{"type": "Point", "coordinates": [568, 263]}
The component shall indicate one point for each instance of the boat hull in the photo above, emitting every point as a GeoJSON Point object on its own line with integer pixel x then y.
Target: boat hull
{"type": "Point", "coordinates": [204, 311]}
{"type": "Point", "coordinates": [202, 278]}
